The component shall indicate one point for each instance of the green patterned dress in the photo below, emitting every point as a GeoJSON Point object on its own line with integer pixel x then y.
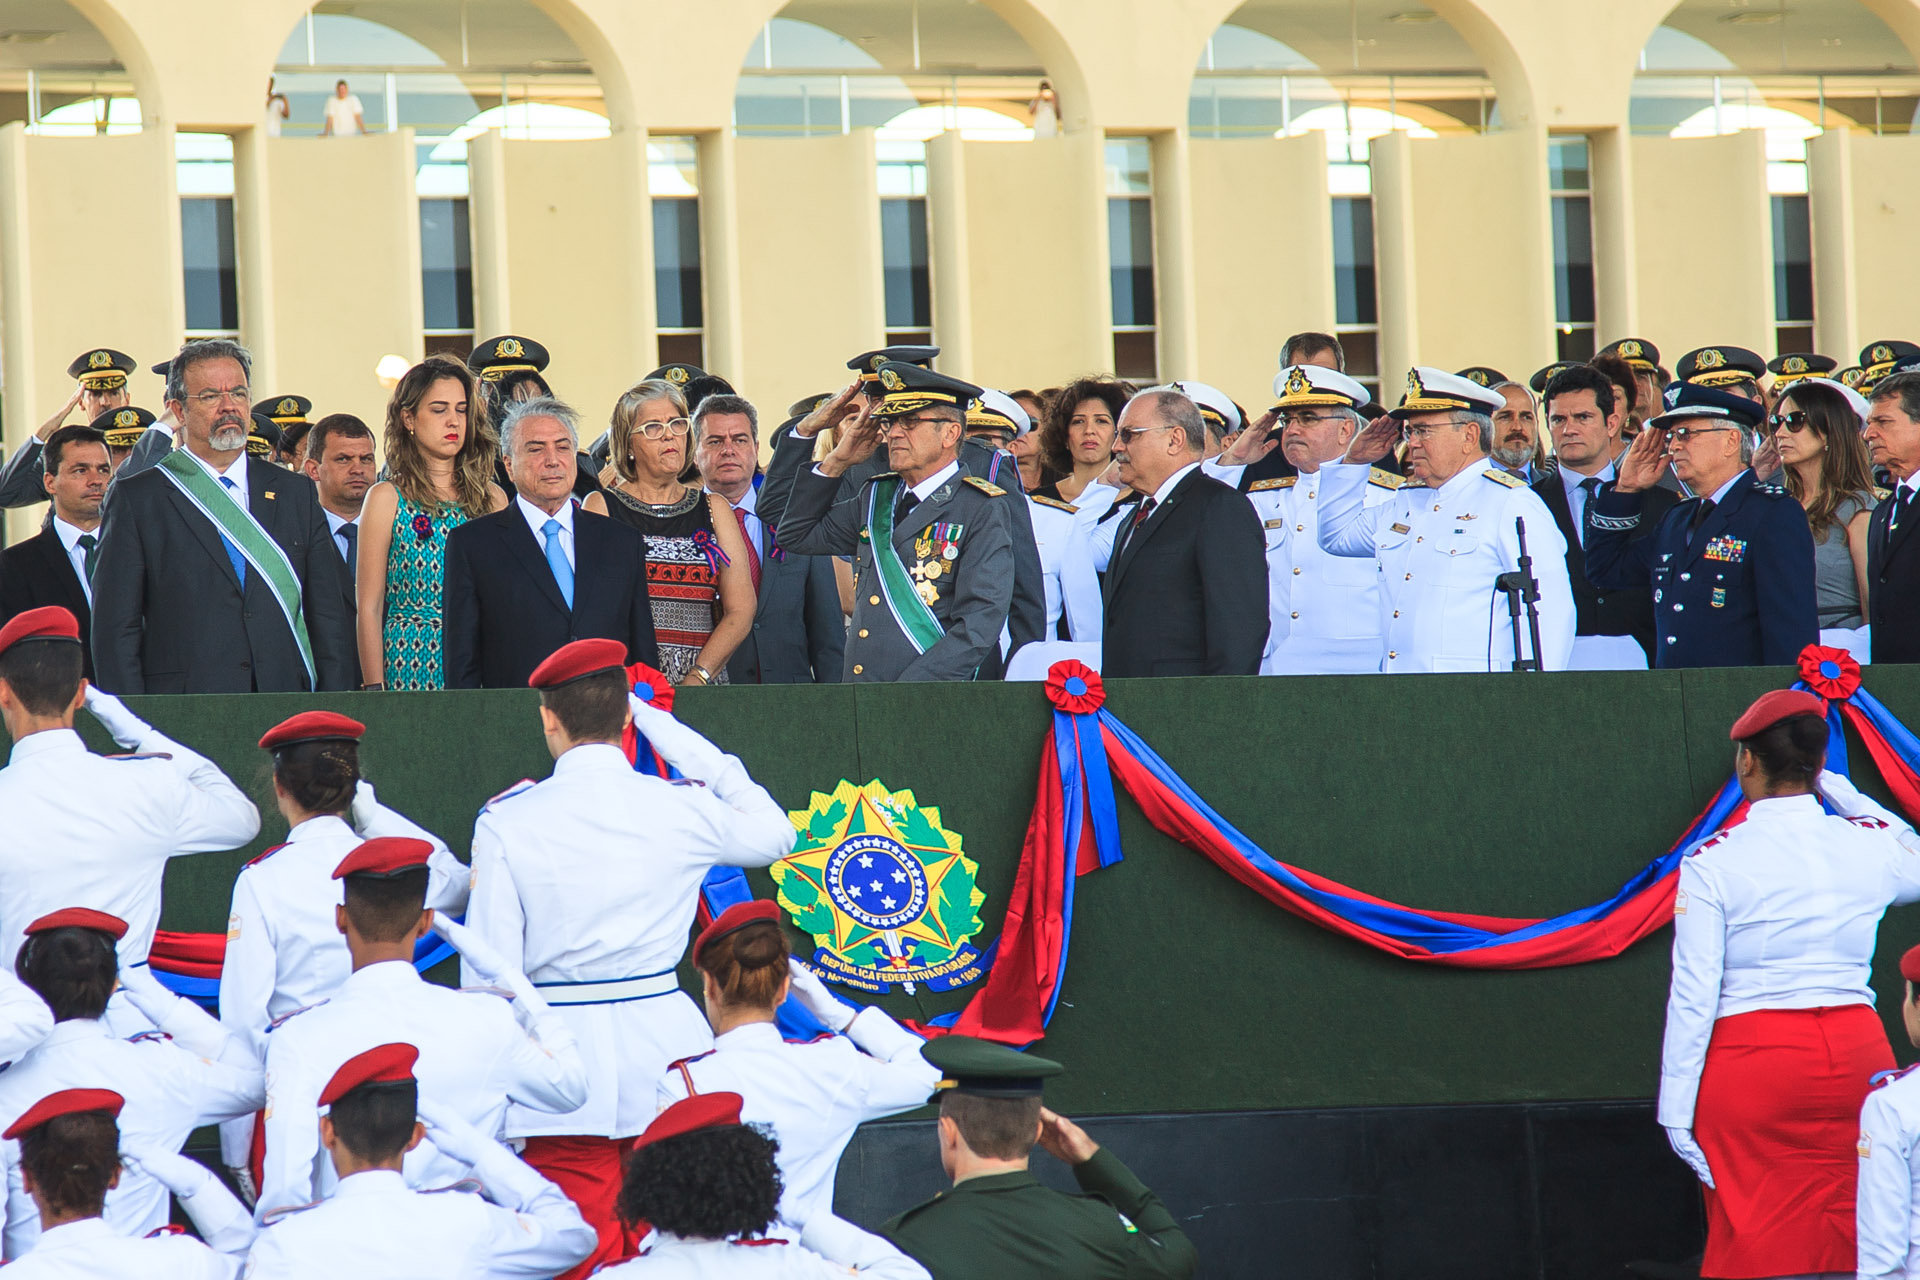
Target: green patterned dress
{"type": "Point", "coordinates": [416, 564]}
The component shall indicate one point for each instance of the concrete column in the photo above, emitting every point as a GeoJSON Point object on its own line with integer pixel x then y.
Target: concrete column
{"type": "Point", "coordinates": [726, 352]}
{"type": "Point", "coordinates": [1830, 198]}
{"type": "Point", "coordinates": [1175, 286]}
{"type": "Point", "coordinates": [20, 406]}
{"type": "Point", "coordinates": [254, 257]}
{"type": "Point", "coordinates": [487, 224]}
{"type": "Point", "coordinates": [1699, 286]}
{"type": "Point", "coordinates": [642, 307]}
{"type": "Point", "coordinates": [950, 265]}
{"type": "Point", "coordinates": [1396, 262]}
{"type": "Point", "coordinates": [1616, 289]}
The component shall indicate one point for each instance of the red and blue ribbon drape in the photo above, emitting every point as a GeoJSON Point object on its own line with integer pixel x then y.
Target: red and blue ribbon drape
{"type": "Point", "coordinates": [189, 964]}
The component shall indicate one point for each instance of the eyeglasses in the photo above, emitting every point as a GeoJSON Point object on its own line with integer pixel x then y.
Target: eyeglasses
{"type": "Point", "coordinates": [660, 430]}
{"type": "Point", "coordinates": [212, 399]}
{"type": "Point", "coordinates": [1680, 435]}
{"type": "Point", "coordinates": [1308, 419]}
{"type": "Point", "coordinates": [1410, 434]}
{"type": "Point", "coordinates": [887, 426]}
{"type": "Point", "coordinates": [1127, 435]}
{"type": "Point", "coordinates": [1795, 421]}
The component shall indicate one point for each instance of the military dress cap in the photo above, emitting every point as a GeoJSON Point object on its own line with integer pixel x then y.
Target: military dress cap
{"type": "Point", "coordinates": [998, 409]}
{"type": "Point", "coordinates": [495, 358]}
{"type": "Point", "coordinates": [164, 368]}
{"type": "Point", "coordinates": [576, 661]}
{"type": "Point", "coordinates": [1719, 366]}
{"type": "Point", "coordinates": [690, 1115]}
{"type": "Point", "coordinates": [1685, 400]}
{"type": "Point", "coordinates": [678, 374]}
{"type": "Point", "coordinates": [1910, 964]}
{"type": "Point", "coordinates": [67, 1102]}
{"type": "Point", "coordinates": [382, 1064]}
{"type": "Point", "coordinates": [79, 918]}
{"type": "Point", "coordinates": [48, 622]}
{"type": "Point", "coordinates": [1305, 385]}
{"type": "Point", "coordinates": [1216, 406]}
{"type": "Point", "coordinates": [907, 388]}
{"type": "Point", "coordinates": [1541, 377]}
{"type": "Point", "coordinates": [868, 363]}
{"type": "Point", "coordinates": [986, 1069]}
{"type": "Point", "coordinates": [1769, 709]}
{"type": "Point", "coordinates": [102, 369]}
{"type": "Point", "coordinates": [1789, 369]}
{"type": "Point", "coordinates": [1850, 376]}
{"type": "Point", "coordinates": [385, 857]}
{"type": "Point", "coordinates": [285, 410]}
{"type": "Point", "coordinates": [263, 436]}
{"type": "Point", "coordinates": [1878, 358]}
{"type": "Point", "coordinates": [733, 920]}
{"type": "Point", "coordinates": [313, 726]}
{"type": "Point", "coordinates": [122, 426]}
{"type": "Point", "coordinates": [1437, 391]}
{"type": "Point", "coordinates": [1486, 377]}
{"type": "Point", "coordinates": [1637, 352]}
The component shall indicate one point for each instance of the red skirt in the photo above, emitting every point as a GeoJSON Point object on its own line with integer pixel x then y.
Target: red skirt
{"type": "Point", "coordinates": [588, 1170]}
{"type": "Point", "coordinates": [1778, 1117]}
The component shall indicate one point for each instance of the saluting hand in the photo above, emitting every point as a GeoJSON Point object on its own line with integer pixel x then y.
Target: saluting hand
{"type": "Point", "coordinates": [1766, 461]}
{"type": "Point", "coordinates": [121, 725]}
{"type": "Point", "coordinates": [859, 437]}
{"type": "Point", "coordinates": [1375, 443]}
{"type": "Point", "coordinates": [1064, 1140]}
{"type": "Point", "coordinates": [1252, 444]}
{"type": "Point", "coordinates": [1640, 466]}
{"type": "Point", "coordinates": [828, 414]}
{"type": "Point", "coordinates": [815, 998]}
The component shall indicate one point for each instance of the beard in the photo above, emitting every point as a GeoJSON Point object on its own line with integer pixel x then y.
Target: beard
{"type": "Point", "coordinates": [228, 436]}
{"type": "Point", "coordinates": [1513, 455]}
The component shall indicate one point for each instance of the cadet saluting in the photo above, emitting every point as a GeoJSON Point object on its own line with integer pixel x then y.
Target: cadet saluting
{"type": "Point", "coordinates": [1887, 1210]}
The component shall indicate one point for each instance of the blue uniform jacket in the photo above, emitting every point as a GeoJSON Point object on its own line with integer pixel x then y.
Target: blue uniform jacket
{"type": "Point", "coordinates": [1738, 593]}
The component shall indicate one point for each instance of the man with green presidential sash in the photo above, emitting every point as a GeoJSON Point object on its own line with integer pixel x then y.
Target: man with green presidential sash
{"type": "Point", "coordinates": [932, 547]}
{"type": "Point", "coordinates": [217, 574]}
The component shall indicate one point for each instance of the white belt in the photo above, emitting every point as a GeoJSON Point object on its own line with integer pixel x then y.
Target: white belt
{"type": "Point", "coordinates": [611, 991]}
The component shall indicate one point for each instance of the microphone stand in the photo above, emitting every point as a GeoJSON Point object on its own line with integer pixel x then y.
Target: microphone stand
{"type": "Point", "coordinates": [1522, 587]}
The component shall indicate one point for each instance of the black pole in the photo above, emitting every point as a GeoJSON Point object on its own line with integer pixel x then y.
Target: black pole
{"type": "Point", "coordinates": [1522, 588]}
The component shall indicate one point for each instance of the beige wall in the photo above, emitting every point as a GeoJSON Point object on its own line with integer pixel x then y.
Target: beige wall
{"type": "Point", "coordinates": [1705, 242]}
{"type": "Point", "coordinates": [812, 293]}
{"type": "Point", "coordinates": [1866, 194]}
{"type": "Point", "coordinates": [1262, 254]}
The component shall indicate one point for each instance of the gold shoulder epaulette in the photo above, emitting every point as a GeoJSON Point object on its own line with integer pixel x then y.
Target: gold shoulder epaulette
{"type": "Point", "coordinates": [1408, 482]}
{"type": "Point", "coordinates": [987, 487]}
{"type": "Point", "coordinates": [1506, 478]}
{"type": "Point", "coordinates": [1278, 482]}
{"type": "Point", "coordinates": [1057, 504]}
{"type": "Point", "coordinates": [1384, 478]}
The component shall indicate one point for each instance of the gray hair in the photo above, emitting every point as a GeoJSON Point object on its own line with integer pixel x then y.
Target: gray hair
{"type": "Point", "coordinates": [538, 407]}
{"type": "Point", "coordinates": [1746, 445]}
{"type": "Point", "coordinates": [198, 351]}
{"type": "Point", "coordinates": [1176, 409]}
{"type": "Point", "coordinates": [726, 404]}
{"type": "Point", "coordinates": [1483, 421]}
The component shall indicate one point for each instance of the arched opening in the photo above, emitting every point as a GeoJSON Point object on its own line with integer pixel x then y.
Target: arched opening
{"type": "Point", "coordinates": [59, 70]}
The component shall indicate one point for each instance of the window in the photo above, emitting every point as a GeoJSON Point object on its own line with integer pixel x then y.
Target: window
{"type": "Point", "coordinates": [1356, 297]}
{"type": "Point", "coordinates": [446, 276]}
{"type": "Point", "coordinates": [673, 181]}
{"type": "Point", "coordinates": [1130, 256]}
{"type": "Point", "coordinates": [1572, 247]}
{"type": "Point", "coordinates": [206, 248]}
{"type": "Point", "coordinates": [903, 242]}
{"type": "Point", "coordinates": [1792, 274]}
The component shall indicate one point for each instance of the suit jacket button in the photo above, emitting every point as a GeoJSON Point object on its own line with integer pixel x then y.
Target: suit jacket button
{"type": "Point", "coordinates": [246, 614]}
{"type": "Point", "coordinates": [863, 633]}
{"type": "Point", "coordinates": [857, 668]}
{"type": "Point", "coordinates": [246, 666]}
{"type": "Point", "coordinates": [873, 599]}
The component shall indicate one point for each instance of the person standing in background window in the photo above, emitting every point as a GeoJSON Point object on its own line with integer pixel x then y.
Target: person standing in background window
{"type": "Point", "coordinates": [278, 109]}
{"type": "Point", "coordinates": [343, 117]}
{"type": "Point", "coordinates": [1046, 112]}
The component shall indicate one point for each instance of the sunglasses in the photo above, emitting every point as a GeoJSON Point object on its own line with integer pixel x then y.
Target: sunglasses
{"type": "Point", "coordinates": [1794, 421]}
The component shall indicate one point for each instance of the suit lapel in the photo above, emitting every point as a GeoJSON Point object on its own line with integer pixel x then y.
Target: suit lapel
{"type": "Point", "coordinates": [525, 548]}
{"type": "Point", "coordinates": [1903, 533]}
{"type": "Point", "coordinates": [62, 571]}
{"type": "Point", "coordinates": [202, 529]}
{"type": "Point", "coordinates": [1137, 536]}
{"type": "Point", "coordinates": [588, 548]}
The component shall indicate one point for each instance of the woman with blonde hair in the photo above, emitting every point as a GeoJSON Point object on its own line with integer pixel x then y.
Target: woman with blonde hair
{"type": "Point", "coordinates": [700, 571]}
{"type": "Point", "coordinates": [440, 449]}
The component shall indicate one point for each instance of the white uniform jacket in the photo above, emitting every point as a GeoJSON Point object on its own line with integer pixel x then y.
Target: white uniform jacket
{"type": "Point", "coordinates": [1437, 553]}
{"type": "Point", "coordinates": [1780, 912]}
{"type": "Point", "coordinates": [92, 1250]}
{"type": "Point", "coordinates": [169, 1093]}
{"type": "Point", "coordinates": [25, 1019]}
{"type": "Point", "coordinates": [588, 882]}
{"type": "Point", "coordinates": [1886, 1210]}
{"type": "Point", "coordinates": [1089, 548]}
{"type": "Point", "coordinates": [1052, 534]}
{"type": "Point", "coordinates": [376, 1227]}
{"type": "Point", "coordinates": [474, 1058]}
{"type": "Point", "coordinates": [96, 831]}
{"type": "Point", "coordinates": [1324, 610]}
{"type": "Point", "coordinates": [829, 1249]}
{"type": "Point", "coordinates": [813, 1094]}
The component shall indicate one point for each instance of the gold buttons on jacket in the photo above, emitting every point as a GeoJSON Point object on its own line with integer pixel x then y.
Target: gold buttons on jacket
{"type": "Point", "coordinates": [873, 599]}
{"type": "Point", "coordinates": [857, 668]}
{"type": "Point", "coordinates": [863, 633]}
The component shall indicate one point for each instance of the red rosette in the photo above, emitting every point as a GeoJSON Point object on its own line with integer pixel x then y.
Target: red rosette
{"type": "Point", "coordinates": [422, 528]}
{"type": "Point", "coordinates": [652, 686]}
{"type": "Point", "coordinates": [1831, 673]}
{"type": "Point", "coordinates": [1074, 687]}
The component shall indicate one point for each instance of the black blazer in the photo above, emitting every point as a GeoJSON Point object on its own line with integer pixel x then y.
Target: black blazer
{"type": "Point", "coordinates": [169, 616]}
{"type": "Point", "coordinates": [38, 572]}
{"type": "Point", "coordinates": [1186, 591]}
{"type": "Point", "coordinates": [1893, 584]}
{"type": "Point", "coordinates": [1597, 612]}
{"type": "Point", "coordinates": [502, 613]}
{"type": "Point", "coordinates": [799, 635]}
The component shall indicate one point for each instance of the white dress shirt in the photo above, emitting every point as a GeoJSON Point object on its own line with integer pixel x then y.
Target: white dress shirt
{"type": "Point", "coordinates": [829, 1249]}
{"type": "Point", "coordinates": [537, 520]}
{"type": "Point", "coordinates": [90, 1249]}
{"type": "Point", "coordinates": [334, 525]}
{"type": "Point", "coordinates": [1886, 1208]}
{"type": "Point", "coordinates": [756, 527]}
{"type": "Point", "coordinates": [236, 471]}
{"type": "Point", "coordinates": [70, 535]}
{"type": "Point", "coordinates": [1571, 481]}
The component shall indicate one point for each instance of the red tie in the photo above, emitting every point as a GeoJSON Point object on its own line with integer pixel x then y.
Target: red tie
{"type": "Point", "coordinates": [753, 555]}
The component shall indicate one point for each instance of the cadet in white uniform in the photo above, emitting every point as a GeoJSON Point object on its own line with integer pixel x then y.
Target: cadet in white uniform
{"type": "Point", "coordinates": [1446, 534]}
{"type": "Point", "coordinates": [376, 1227]}
{"type": "Point", "coordinates": [73, 1152]}
{"type": "Point", "coordinates": [707, 1181]}
{"type": "Point", "coordinates": [1771, 1034]}
{"type": "Point", "coordinates": [811, 1094]}
{"type": "Point", "coordinates": [474, 1057]}
{"type": "Point", "coordinates": [169, 1091]}
{"type": "Point", "coordinates": [95, 831]}
{"type": "Point", "coordinates": [1886, 1208]}
{"type": "Point", "coordinates": [284, 949]}
{"type": "Point", "coordinates": [589, 882]}
{"type": "Point", "coordinates": [998, 420]}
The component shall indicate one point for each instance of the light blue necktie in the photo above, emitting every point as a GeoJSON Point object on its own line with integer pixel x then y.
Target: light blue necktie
{"type": "Point", "coordinates": [233, 553]}
{"type": "Point", "coordinates": [557, 561]}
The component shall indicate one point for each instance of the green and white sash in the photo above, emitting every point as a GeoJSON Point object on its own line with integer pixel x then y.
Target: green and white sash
{"type": "Point", "coordinates": [896, 584]}
{"type": "Point", "coordinates": [213, 500]}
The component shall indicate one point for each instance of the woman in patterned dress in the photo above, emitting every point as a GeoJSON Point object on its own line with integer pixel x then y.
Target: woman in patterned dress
{"type": "Point", "coordinates": [440, 452]}
{"type": "Point", "coordinates": [698, 578]}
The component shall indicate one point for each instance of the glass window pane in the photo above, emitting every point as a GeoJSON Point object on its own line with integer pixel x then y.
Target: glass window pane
{"type": "Point", "coordinates": [1792, 260]}
{"type": "Point", "coordinates": [1573, 344]}
{"type": "Point", "coordinates": [1355, 298]}
{"type": "Point", "coordinates": [1567, 164]}
{"type": "Point", "coordinates": [1129, 167]}
{"type": "Point", "coordinates": [903, 239]}
{"type": "Point", "coordinates": [676, 263]}
{"type": "Point", "coordinates": [446, 264]}
{"type": "Point", "coordinates": [1572, 260]}
{"type": "Point", "coordinates": [683, 348]}
{"type": "Point", "coordinates": [1135, 357]}
{"type": "Point", "coordinates": [206, 244]}
{"type": "Point", "coordinates": [673, 167]}
{"type": "Point", "coordinates": [1130, 245]}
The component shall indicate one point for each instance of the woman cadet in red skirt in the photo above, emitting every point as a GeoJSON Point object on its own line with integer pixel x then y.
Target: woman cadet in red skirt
{"type": "Point", "coordinates": [1771, 1033]}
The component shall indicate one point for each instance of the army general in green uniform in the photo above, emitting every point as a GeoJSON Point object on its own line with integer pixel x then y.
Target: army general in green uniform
{"type": "Point", "coordinates": [998, 1222]}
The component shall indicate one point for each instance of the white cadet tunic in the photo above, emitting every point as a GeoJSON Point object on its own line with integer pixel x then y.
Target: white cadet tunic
{"type": "Point", "coordinates": [589, 881]}
{"type": "Point", "coordinates": [94, 831]}
{"type": "Point", "coordinates": [813, 1094]}
{"type": "Point", "coordinates": [1052, 532]}
{"type": "Point", "coordinates": [829, 1249]}
{"type": "Point", "coordinates": [1089, 548]}
{"type": "Point", "coordinates": [474, 1059]}
{"type": "Point", "coordinates": [169, 1093]}
{"type": "Point", "coordinates": [1324, 609]}
{"type": "Point", "coordinates": [1886, 1208]}
{"type": "Point", "coordinates": [1437, 553]}
{"type": "Point", "coordinates": [89, 1249]}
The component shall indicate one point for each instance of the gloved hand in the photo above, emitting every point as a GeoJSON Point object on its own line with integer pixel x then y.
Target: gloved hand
{"type": "Point", "coordinates": [243, 1179]}
{"type": "Point", "coordinates": [1681, 1140]}
{"type": "Point", "coordinates": [481, 956]}
{"type": "Point", "coordinates": [1840, 793]}
{"type": "Point", "coordinates": [453, 1135]}
{"type": "Point", "coordinates": [679, 746]}
{"type": "Point", "coordinates": [121, 725]}
{"type": "Point", "coordinates": [365, 805]}
{"type": "Point", "coordinates": [815, 998]}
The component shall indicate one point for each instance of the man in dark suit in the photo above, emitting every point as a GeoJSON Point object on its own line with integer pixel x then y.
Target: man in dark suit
{"type": "Point", "coordinates": [544, 572]}
{"type": "Point", "coordinates": [52, 566]}
{"type": "Point", "coordinates": [215, 573]}
{"type": "Point", "coordinates": [799, 634]}
{"type": "Point", "coordinates": [1586, 419]}
{"type": "Point", "coordinates": [1893, 553]}
{"type": "Point", "coordinates": [1186, 589]}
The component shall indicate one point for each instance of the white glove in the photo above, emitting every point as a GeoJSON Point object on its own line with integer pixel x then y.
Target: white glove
{"type": "Point", "coordinates": [686, 750]}
{"type": "Point", "coordinates": [1681, 1140]}
{"type": "Point", "coordinates": [121, 725]}
{"type": "Point", "coordinates": [1840, 793]}
{"type": "Point", "coordinates": [815, 998]}
{"type": "Point", "coordinates": [190, 1026]}
{"type": "Point", "coordinates": [365, 805]}
{"type": "Point", "coordinates": [452, 1134]}
{"type": "Point", "coordinates": [243, 1178]}
{"type": "Point", "coordinates": [482, 958]}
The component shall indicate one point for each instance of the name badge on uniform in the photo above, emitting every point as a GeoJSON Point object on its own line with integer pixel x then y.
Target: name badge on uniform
{"type": "Point", "coordinates": [1731, 550]}
{"type": "Point", "coordinates": [1401, 528]}
{"type": "Point", "coordinates": [1680, 903]}
{"type": "Point", "coordinates": [1276, 524]}
{"type": "Point", "coordinates": [1719, 597]}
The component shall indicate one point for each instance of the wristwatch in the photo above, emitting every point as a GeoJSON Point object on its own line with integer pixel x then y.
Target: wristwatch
{"type": "Point", "coordinates": [376, 686]}
{"type": "Point", "coordinates": [706, 676]}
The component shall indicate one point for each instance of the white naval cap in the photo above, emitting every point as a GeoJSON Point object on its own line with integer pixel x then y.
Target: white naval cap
{"type": "Point", "coordinates": [1214, 404]}
{"type": "Point", "coordinates": [1310, 384]}
{"type": "Point", "coordinates": [996, 408]}
{"type": "Point", "coordinates": [1437, 391]}
{"type": "Point", "coordinates": [1856, 401]}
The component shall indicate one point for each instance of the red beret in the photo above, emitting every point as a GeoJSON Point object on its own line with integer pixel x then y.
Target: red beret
{"type": "Point", "coordinates": [384, 857]}
{"type": "Point", "coordinates": [735, 918]}
{"type": "Point", "coordinates": [1910, 965]}
{"type": "Point", "coordinates": [382, 1064]}
{"type": "Point", "coordinates": [48, 622]}
{"type": "Point", "coordinates": [1771, 708]}
{"type": "Point", "coordinates": [313, 726]}
{"type": "Point", "coordinates": [67, 1102]}
{"type": "Point", "coordinates": [80, 918]}
{"type": "Point", "coordinates": [701, 1111]}
{"type": "Point", "coordinates": [577, 661]}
